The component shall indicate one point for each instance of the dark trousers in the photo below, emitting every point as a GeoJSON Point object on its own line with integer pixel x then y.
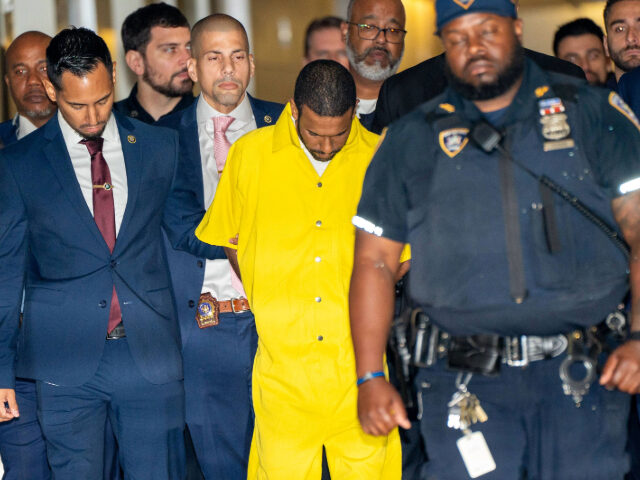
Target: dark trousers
{"type": "Point", "coordinates": [217, 380]}
{"type": "Point", "coordinates": [147, 419]}
{"type": "Point", "coordinates": [534, 431]}
{"type": "Point", "coordinates": [22, 446]}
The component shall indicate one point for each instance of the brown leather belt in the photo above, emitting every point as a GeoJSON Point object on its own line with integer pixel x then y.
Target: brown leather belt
{"type": "Point", "coordinates": [209, 308]}
{"type": "Point", "coordinates": [236, 305]}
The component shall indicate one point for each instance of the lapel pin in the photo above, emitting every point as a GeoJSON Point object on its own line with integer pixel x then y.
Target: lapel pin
{"type": "Point", "coordinates": [131, 139]}
{"type": "Point", "coordinates": [267, 119]}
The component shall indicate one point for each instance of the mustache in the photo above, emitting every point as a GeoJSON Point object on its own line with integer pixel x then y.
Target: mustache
{"type": "Point", "coordinates": [184, 70]}
{"type": "Point", "coordinates": [374, 49]}
{"type": "Point", "coordinates": [226, 79]}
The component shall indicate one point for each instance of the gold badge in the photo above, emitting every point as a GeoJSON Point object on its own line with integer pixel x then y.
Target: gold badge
{"type": "Point", "coordinates": [452, 141]}
{"type": "Point", "coordinates": [208, 311]}
{"type": "Point", "coordinates": [268, 119]}
{"type": "Point", "coordinates": [447, 107]}
{"type": "Point", "coordinates": [464, 3]}
{"type": "Point", "coordinates": [131, 139]}
{"type": "Point", "coordinates": [555, 127]}
{"type": "Point", "coordinates": [540, 91]}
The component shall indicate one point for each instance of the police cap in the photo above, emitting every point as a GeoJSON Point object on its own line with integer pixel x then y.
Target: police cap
{"type": "Point", "coordinates": [447, 10]}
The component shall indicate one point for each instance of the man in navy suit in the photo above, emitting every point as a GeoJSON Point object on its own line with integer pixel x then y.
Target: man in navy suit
{"type": "Point", "coordinates": [218, 349]}
{"type": "Point", "coordinates": [22, 446]}
{"type": "Point", "coordinates": [84, 202]}
{"type": "Point", "coordinates": [26, 66]}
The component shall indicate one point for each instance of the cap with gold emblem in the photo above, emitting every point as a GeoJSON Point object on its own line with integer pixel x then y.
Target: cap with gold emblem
{"type": "Point", "coordinates": [447, 10]}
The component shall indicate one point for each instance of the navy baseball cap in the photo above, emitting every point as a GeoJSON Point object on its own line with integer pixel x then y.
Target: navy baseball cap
{"type": "Point", "coordinates": [447, 10]}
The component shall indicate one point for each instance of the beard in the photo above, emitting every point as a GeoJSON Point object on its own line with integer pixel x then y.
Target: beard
{"type": "Point", "coordinates": [624, 65]}
{"type": "Point", "coordinates": [167, 89]}
{"type": "Point", "coordinates": [506, 78]}
{"type": "Point", "coordinates": [40, 114]}
{"type": "Point", "coordinates": [375, 72]}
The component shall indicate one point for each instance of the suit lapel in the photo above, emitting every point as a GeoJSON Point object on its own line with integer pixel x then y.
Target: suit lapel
{"type": "Point", "coordinates": [58, 157]}
{"type": "Point", "coordinates": [190, 149]}
{"type": "Point", "coordinates": [263, 119]}
{"type": "Point", "coordinates": [133, 165]}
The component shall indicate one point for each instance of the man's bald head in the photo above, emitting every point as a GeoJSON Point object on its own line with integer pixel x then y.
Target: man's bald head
{"type": "Point", "coordinates": [31, 40]}
{"type": "Point", "coordinates": [218, 22]}
{"type": "Point", "coordinates": [26, 65]}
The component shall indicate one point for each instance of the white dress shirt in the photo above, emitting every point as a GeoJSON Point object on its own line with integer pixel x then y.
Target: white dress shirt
{"type": "Point", "coordinates": [25, 127]}
{"type": "Point", "coordinates": [81, 161]}
{"type": "Point", "coordinates": [217, 273]}
{"type": "Point", "coordinates": [366, 106]}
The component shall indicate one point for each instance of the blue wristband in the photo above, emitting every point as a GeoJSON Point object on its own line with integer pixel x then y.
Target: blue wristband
{"type": "Point", "coordinates": [368, 376]}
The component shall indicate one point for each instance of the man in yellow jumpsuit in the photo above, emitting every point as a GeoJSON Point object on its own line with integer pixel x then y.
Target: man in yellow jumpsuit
{"type": "Point", "coordinates": [289, 192]}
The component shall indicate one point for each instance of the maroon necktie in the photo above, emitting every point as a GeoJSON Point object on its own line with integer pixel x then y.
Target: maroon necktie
{"type": "Point", "coordinates": [103, 212]}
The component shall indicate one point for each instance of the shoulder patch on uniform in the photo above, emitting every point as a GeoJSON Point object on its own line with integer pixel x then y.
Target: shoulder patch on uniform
{"type": "Point", "coordinates": [540, 91]}
{"type": "Point", "coordinates": [453, 140]}
{"type": "Point", "coordinates": [447, 107]}
{"type": "Point", "coordinates": [619, 104]}
{"type": "Point", "coordinates": [464, 3]}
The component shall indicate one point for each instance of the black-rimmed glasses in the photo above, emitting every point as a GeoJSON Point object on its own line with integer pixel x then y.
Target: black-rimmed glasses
{"type": "Point", "coordinates": [371, 32]}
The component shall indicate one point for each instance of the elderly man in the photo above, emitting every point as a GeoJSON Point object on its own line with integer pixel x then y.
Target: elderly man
{"type": "Point", "coordinates": [289, 191]}
{"type": "Point", "coordinates": [513, 188]}
{"type": "Point", "coordinates": [374, 33]}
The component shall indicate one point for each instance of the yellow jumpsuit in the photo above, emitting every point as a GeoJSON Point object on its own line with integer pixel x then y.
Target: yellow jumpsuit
{"type": "Point", "coordinates": [295, 251]}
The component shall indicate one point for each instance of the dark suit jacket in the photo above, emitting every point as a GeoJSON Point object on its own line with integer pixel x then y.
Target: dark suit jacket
{"type": "Point", "coordinates": [51, 245]}
{"type": "Point", "coordinates": [629, 89]}
{"type": "Point", "coordinates": [404, 91]}
{"type": "Point", "coordinates": [8, 133]}
{"type": "Point", "coordinates": [187, 271]}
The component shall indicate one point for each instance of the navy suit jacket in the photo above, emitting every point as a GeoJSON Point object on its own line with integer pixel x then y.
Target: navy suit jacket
{"type": "Point", "coordinates": [51, 245]}
{"type": "Point", "coordinates": [8, 133]}
{"type": "Point", "coordinates": [187, 271]}
{"type": "Point", "coordinates": [629, 89]}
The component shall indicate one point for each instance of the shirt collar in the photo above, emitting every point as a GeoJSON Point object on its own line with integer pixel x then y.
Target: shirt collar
{"type": "Point", "coordinates": [71, 137]}
{"type": "Point", "coordinates": [24, 126]}
{"type": "Point", "coordinates": [242, 114]}
{"type": "Point", "coordinates": [137, 111]}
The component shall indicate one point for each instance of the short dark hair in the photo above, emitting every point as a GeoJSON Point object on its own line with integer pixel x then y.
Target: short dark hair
{"type": "Point", "coordinates": [78, 51]}
{"type": "Point", "coordinates": [607, 10]}
{"type": "Point", "coordinates": [320, 24]}
{"type": "Point", "coordinates": [580, 26]}
{"type": "Point", "coordinates": [136, 29]}
{"type": "Point", "coordinates": [326, 87]}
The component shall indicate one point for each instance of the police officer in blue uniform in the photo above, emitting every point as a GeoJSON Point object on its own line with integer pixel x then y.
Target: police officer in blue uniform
{"type": "Point", "coordinates": [514, 190]}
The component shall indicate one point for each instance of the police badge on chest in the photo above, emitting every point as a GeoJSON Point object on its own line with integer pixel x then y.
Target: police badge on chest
{"type": "Point", "coordinates": [555, 127]}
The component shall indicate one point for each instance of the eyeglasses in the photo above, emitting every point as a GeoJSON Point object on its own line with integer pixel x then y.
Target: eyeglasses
{"type": "Point", "coordinates": [371, 32]}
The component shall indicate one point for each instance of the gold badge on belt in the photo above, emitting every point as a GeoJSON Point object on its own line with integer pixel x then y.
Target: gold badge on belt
{"type": "Point", "coordinates": [208, 311]}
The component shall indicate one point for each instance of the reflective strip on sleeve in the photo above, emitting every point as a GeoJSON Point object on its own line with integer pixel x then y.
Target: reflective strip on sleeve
{"type": "Point", "coordinates": [366, 225]}
{"type": "Point", "coordinates": [626, 187]}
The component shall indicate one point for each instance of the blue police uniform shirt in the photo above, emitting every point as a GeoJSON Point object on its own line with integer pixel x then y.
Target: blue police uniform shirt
{"type": "Point", "coordinates": [430, 186]}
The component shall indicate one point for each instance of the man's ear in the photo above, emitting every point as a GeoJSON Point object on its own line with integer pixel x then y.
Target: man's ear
{"type": "Point", "coordinates": [135, 62]}
{"type": "Point", "coordinates": [294, 110]}
{"type": "Point", "coordinates": [50, 89]}
{"type": "Point", "coordinates": [606, 46]}
{"type": "Point", "coordinates": [113, 74]}
{"type": "Point", "coordinates": [191, 69]}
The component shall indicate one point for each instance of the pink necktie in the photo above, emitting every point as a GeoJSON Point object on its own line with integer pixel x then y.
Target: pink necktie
{"type": "Point", "coordinates": [221, 147]}
{"type": "Point", "coordinates": [103, 212]}
{"type": "Point", "coordinates": [220, 143]}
